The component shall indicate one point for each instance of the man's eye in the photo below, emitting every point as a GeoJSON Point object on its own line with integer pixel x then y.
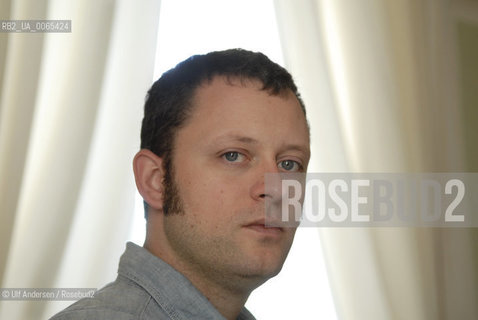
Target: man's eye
{"type": "Point", "coordinates": [289, 165]}
{"type": "Point", "coordinates": [233, 156]}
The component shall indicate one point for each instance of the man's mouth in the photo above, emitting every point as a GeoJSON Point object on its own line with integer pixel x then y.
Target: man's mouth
{"type": "Point", "coordinates": [261, 227]}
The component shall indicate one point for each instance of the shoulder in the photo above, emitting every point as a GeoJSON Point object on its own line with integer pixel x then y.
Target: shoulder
{"type": "Point", "coordinates": [120, 300]}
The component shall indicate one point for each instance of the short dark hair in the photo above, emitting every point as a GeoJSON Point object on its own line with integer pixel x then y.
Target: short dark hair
{"type": "Point", "coordinates": [169, 102]}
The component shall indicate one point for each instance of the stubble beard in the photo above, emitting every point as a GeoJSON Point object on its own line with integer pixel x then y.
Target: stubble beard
{"type": "Point", "coordinates": [221, 253]}
{"type": "Point", "coordinates": [172, 203]}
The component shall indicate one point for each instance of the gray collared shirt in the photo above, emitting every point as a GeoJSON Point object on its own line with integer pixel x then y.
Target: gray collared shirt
{"type": "Point", "coordinates": [146, 288]}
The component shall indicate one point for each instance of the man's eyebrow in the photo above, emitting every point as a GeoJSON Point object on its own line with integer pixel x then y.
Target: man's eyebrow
{"type": "Point", "coordinates": [297, 147]}
{"type": "Point", "coordinates": [236, 137]}
{"type": "Point", "coordinates": [245, 139]}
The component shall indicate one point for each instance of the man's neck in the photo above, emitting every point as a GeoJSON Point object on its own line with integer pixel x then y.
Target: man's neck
{"type": "Point", "coordinates": [229, 299]}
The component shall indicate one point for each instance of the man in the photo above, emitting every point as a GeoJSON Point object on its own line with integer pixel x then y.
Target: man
{"type": "Point", "coordinates": [213, 126]}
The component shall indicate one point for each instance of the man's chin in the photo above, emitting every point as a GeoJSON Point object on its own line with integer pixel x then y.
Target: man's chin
{"type": "Point", "coordinates": [255, 278]}
{"type": "Point", "coordinates": [262, 268]}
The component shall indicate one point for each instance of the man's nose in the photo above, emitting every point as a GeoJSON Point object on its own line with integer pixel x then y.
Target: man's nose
{"type": "Point", "coordinates": [267, 182]}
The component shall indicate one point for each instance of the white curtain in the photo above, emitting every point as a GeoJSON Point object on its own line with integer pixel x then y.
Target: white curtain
{"type": "Point", "coordinates": [379, 79]}
{"type": "Point", "coordinates": [71, 107]}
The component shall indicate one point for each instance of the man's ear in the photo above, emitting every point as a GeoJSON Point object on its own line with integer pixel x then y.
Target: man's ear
{"type": "Point", "coordinates": [148, 173]}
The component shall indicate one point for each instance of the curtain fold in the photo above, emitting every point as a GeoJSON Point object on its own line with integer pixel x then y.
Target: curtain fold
{"type": "Point", "coordinates": [71, 106]}
{"type": "Point", "coordinates": [20, 73]}
{"type": "Point", "coordinates": [379, 80]}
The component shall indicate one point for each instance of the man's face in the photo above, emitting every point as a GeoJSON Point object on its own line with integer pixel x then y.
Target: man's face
{"type": "Point", "coordinates": [236, 134]}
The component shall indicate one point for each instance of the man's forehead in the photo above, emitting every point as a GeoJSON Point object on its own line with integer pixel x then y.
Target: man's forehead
{"type": "Point", "coordinates": [214, 96]}
{"type": "Point", "coordinates": [245, 117]}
